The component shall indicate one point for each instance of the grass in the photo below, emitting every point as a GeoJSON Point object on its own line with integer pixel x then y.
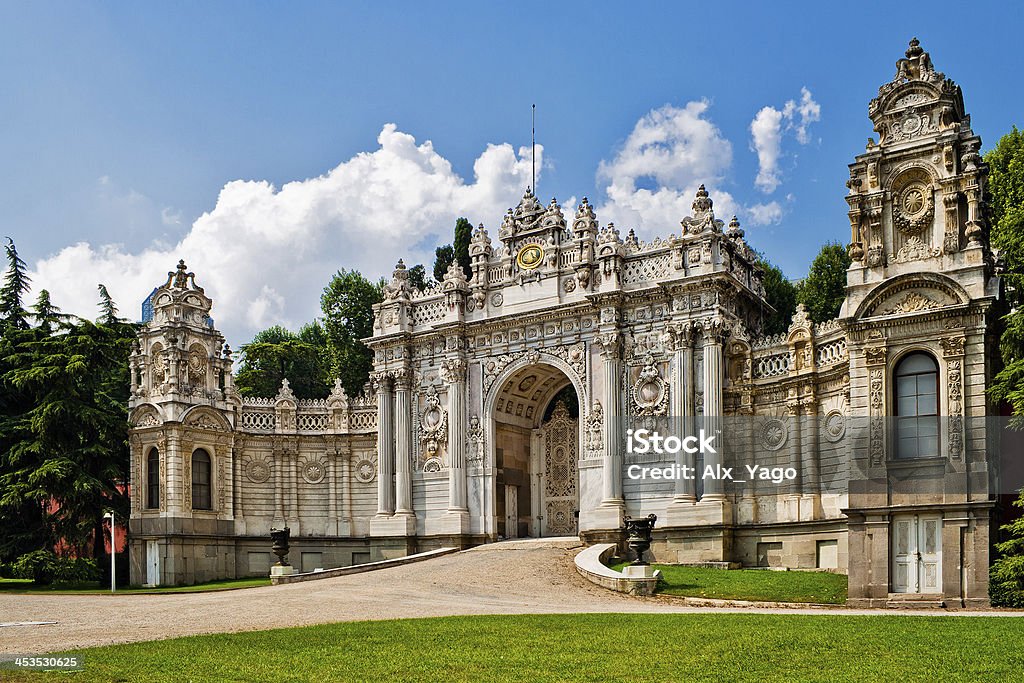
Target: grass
{"type": "Point", "coordinates": [582, 647]}
{"type": "Point", "coordinates": [26, 586]}
{"type": "Point", "coordinates": [751, 584]}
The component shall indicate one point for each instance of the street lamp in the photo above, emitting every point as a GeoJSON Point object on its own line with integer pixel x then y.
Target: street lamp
{"type": "Point", "coordinates": [113, 548]}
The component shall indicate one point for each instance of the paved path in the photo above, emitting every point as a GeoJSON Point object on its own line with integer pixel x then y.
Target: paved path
{"type": "Point", "coordinates": [516, 577]}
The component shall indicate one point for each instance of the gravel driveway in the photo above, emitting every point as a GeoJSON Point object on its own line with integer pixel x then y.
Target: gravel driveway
{"type": "Point", "coordinates": [515, 577]}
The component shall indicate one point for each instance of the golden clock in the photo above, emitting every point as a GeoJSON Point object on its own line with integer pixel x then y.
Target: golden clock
{"type": "Point", "coordinates": [530, 256]}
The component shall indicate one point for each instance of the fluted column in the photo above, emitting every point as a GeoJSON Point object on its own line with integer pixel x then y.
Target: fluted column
{"type": "Point", "coordinates": [714, 330]}
{"type": "Point", "coordinates": [453, 372]}
{"type": "Point", "coordinates": [611, 370]}
{"type": "Point", "coordinates": [682, 408]}
{"type": "Point", "coordinates": [385, 445]}
{"type": "Point", "coordinates": [403, 444]}
{"type": "Point", "coordinates": [810, 503]}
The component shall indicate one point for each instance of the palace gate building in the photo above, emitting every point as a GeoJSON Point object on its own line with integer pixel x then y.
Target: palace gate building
{"type": "Point", "coordinates": [500, 402]}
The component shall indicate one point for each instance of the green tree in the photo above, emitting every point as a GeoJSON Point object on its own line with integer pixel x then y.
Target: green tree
{"type": "Point", "coordinates": [824, 289]}
{"type": "Point", "coordinates": [444, 256]}
{"type": "Point", "coordinates": [347, 304]}
{"type": "Point", "coordinates": [16, 285]}
{"type": "Point", "coordinates": [1006, 578]}
{"type": "Point", "coordinates": [460, 245]}
{"type": "Point", "coordinates": [63, 441]}
{"type": "Point", "coordinates": [780, 294]}
{"type": "Point", "coordinates": [47, 316]}
{"type": "Point", "coordinates": [418, 276]}
{"type": "Point", "coordinates": [276, 354]}
{"type": "Point", "coordinates": [1005, 207]}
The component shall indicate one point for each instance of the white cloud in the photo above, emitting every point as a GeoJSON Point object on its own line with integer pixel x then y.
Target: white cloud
{"type": "Point", "coordinates": [766, 131]}
{"type": "Point", "coordinates": [169, 216]}
{"type": "Point", "coordinates": [764, 214]}
{"type": "Point", "coordinates": [651, 181]}
{"type": "Point", "coordinates": [264, 253]}
{"type": "Point", "coordinates": [766, 137]}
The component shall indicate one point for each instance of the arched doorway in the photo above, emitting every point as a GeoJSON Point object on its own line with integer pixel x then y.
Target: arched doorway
{"type": "Point", "coordinates": [535, 423]}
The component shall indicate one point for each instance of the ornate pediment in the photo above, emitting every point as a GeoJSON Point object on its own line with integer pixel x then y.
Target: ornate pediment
{"type": "Point", "coordinates": [913, 293]}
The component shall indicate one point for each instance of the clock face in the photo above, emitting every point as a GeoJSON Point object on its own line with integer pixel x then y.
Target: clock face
{"type": "Point", "coordinates": [530, 256]}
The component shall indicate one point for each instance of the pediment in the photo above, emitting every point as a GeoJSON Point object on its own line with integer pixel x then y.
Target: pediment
{"type": "Point", "coordinates": [918, 293]}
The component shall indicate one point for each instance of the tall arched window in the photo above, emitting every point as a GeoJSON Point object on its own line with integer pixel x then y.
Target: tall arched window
{"type": "Point", "coordinates": [201, 490]}
{"type": "Point", "coordinates": [917, 406]}
{"type": "Point", "coordinates": [153, 479]}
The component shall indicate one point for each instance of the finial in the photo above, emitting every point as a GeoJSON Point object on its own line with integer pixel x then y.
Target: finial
{"type": "Point", "coordinates": [734, 230]}
{"type": "Point", "coordinates": [915, 48]}
{"type": "Point", "coordinates": [400, 265]}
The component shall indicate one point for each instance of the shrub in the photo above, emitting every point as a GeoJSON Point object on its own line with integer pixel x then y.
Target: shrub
{"type": "Point", "coordinates": [38, 565]}
{"type": "Point", "coordinates": [1006, 577]}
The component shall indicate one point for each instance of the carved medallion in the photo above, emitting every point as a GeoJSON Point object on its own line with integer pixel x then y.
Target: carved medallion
{"type": "Point", "coordinates": [258, 471]}
{"type": "Point", "coordinates": [835, 425]}
{"type": "Point", "coordinates": [366, 471]}
{"type": "Point", "coordinates": [314, 471]}
{"type": "Point", "coordinates": [773, 434]}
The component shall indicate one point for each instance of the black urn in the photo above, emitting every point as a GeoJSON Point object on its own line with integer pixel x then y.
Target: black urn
{"type": "Point", "coordinates": [280, 547]}
{"type": "Point", "coordinates": [638, 536]}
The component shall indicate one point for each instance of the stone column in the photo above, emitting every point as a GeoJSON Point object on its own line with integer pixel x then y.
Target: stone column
{"type": "Point", "coordinates": [714, 330]}
{"type": "Point", "coordinates": [332, 489]}
{"type": "Point", "coordinates": [385, 445]}
{"type": "Point", "coordinates": [174, 474]}
{"type": "Point", "coordinates": [683, 408]}
{"type": "Point", "coordinates": [611, 368]}
{"type": "Point", "coordinates": [403, 444]}
{"type": "Point", "coordinates": [792, 499]}
{"type": "Point", "coordinates": [810, 500]}
{"type": "Point", "coordinates": [453, 372]}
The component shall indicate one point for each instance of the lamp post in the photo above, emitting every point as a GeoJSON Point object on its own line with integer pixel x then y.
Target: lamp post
{"type": "Point", "coordinates": [113, 549]}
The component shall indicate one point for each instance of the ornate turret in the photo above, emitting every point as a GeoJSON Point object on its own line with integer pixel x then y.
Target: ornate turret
{"type": "Point", "coordinates": [915, 195]}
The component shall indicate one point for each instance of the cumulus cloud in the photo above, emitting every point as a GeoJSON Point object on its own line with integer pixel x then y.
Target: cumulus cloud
{"type": "Point", "coordinates": [766, 132]}
{"type": "Point", "coordinates": [764, 214]}
{"type": "Point", "coordinates": [264, 253]}
{"type": "Point", "coordinates": [651, 181]}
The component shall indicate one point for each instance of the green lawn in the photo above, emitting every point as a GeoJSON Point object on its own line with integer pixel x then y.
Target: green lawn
{"type": "Point", "coordinates": [586, 647]}
{"type": "Point", "coordinates": [26, 586]}
{"type": "Point", "coordinates": [751, 584]}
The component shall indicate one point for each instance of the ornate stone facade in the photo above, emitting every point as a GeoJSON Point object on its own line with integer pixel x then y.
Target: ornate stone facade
{"type": "Point", "coordinates": [500, 402]}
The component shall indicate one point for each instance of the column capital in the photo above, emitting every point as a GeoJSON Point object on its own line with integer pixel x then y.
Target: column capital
{"type": "Point", "coordinates": [402, 379]}
{"type": "Point", "coordinates": [714, 329]}
{"type": "Point", "coordinates": [609, 343]}
{"type": "Point", "coordinates": [679, 335]}
{"type": "Point", "coordinates": [382, 381]}
{"type": "Point", "coordinates": [453, 370]}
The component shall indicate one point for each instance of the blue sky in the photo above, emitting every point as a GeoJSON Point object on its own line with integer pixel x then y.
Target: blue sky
{"type": "Point", "coordinates": [127, 127]}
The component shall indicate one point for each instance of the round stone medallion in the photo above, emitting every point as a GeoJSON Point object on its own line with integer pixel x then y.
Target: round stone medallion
{"type": "Point", "coordinates": [258, 471]}
{"type": "Point", "coordinates": [835, 425]}
{"type": "Point", "coordinates": [314, 472]}
{"type": "Point", "coordinates": [365, 471]}
{"type": "Point", "coordinates": [773, 434]}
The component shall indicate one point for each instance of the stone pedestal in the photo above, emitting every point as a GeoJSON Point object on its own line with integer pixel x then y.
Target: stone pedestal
{"type": "Point", "coordinates": [282, 570]}
{"type": "Point", "coordinates": [642, 571]}
{"type": "Point", "coordinates": [397, 525]}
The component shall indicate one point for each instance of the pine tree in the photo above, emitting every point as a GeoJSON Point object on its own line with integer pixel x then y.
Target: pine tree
{"type": "Point", "coordinates": [460, 246]}
{"type": "Point", "coordinates": [824, 289]}
{"type": "Point", "coordinates": [780, 295]}
{"type": "Point", "coordinates": [16, 285]}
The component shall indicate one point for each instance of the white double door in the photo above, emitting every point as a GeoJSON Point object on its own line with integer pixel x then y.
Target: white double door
{"type": "Point", "coordinates": [152, 563]}
{"type": "Point", "coordinates": [917, 554]}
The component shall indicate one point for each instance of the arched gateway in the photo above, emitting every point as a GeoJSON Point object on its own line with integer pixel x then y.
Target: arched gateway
{"type": "Point", "coordinates": [501, 397]}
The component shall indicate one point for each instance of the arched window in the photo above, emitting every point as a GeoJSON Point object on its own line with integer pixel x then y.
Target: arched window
{"type": "Point", "coordinates": [153, 479]}
{"type": "Point", "coordinates": [917, 407]}
{"type": "Point", "coordinates": [201, 491]}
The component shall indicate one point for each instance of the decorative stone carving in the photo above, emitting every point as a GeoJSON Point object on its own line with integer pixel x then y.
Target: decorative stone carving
{"type": "Point", "coordinates": [834, 425]}
{"type": "Point", "coordinates": [475, 439]}
{"type": "Point", "coordinates": [650, 391]}
{"type": "Point", "coordinates": [314, 471]}
{"type": "Point", "coordinates": [914, 249]}
{"type": "Point", "coordinates": [774, 433]}
{"type": "Point", "coordinates": [913, 302]}
{"type": "Point", "coordinates": [453, 371]}
{"type": "Point", "coordinates": [955, 426]}
{"type": "Point", "coordinates": [876, 426]}
{"type": "Point", "coordinates": [433, 424]}
{"type": "Point", "coordinates": [365, 471]}
{"type": "Point", "coordinates": [594, 435]}
{"type": "Point", "coordinates": [258, 471]}
{"type": "Point", "coordinates": [573, 354]}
